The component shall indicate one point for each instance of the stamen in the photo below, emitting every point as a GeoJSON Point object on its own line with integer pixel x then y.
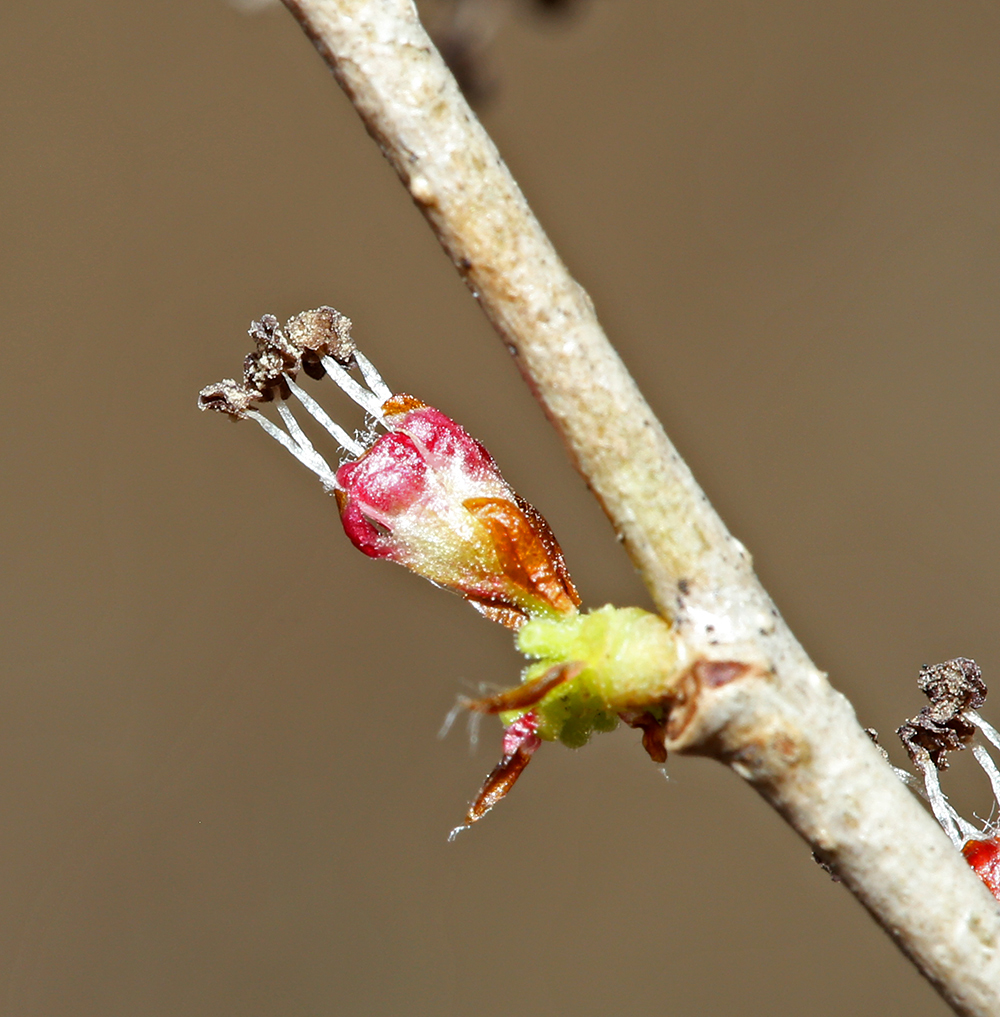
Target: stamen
{"type": "Point", "coordinates": [368, 401]}
{"type": "Point", "coordinates": [320, 415]}
{"type": "Point", "coordinates": [909, 780]}
{"type": "Point", "coordinates": [298, 435]}
{"type": "Point", "coordinates": [372, 377]}
{"type": "Point", "coordinates": [313, 461]}
{"type": "Point", "coordinates": [472, 723]}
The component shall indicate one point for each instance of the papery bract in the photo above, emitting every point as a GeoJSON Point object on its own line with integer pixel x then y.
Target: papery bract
{"type": "Point", "coordinates": [520, 742]}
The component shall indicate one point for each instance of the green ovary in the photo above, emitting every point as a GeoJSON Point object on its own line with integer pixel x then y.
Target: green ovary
{"type": "Point", "coordinates": [630, 661]}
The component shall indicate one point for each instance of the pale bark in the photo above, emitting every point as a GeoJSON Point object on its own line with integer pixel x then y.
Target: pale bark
{"type": "Point", "coordinates": [784, 728]}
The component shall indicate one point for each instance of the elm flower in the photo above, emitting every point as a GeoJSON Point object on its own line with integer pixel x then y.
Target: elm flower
{"type": "Point", "coordinates": [424, 494]}
{"type": "Point", "coordinates": [416, 489]}
{"type": "Point", "coordinates": [948, 723]}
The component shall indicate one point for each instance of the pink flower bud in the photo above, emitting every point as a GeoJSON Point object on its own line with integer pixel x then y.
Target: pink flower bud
{"type": "Point", "coordinates": [430, 497]}
{"type": "Point", "coordinates": [425, 494]}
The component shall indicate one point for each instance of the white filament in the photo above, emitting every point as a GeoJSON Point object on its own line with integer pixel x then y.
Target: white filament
{"type": "Point", "coordinates": [989, 731]}
{"type": "Point", "coordinates": [320, 466]}
{"type": "Point", "coordinates": [985, 760]}
{"type": "Point", "coordinates": [296, 440]}
{"type": "Point", "coordinates": [452, 716]}
{"type": "Point", "coordinates": [368, 401]}
{"type": "Point", "coordinates": [909, 780]}
{"type": "Point", "coordinates": [309, 457]}
{"type": "Point", "coordinates": [298, 435]}
{"type": "Point", "coordinates": [473, 722]}
{"type": "Point", "coordinates": [372, 377]}
{"type": "Point", "coordinates": [957, 828]}
{"type": "Point", "coordinates": [323, 418]}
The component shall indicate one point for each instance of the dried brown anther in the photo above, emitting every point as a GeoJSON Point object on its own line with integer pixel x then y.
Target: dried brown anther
{"type": "Point", "coordinates": [953, 688]}
{"type": "Point", "coordinates": [226, 396]}
{"type": "Point", "coordinates": [325, 332]}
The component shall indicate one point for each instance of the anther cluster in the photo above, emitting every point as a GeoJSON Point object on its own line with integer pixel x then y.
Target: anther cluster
{"type": "Point", "coordinates": [300, 346]}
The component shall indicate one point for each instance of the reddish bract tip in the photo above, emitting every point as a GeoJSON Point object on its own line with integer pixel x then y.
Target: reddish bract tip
{"type": "Point", "coordinates": [984, 858]}
{"type": "Point", "coordinates": [429, 496]}
{"type": "Point", "coordinates": [520, 741]}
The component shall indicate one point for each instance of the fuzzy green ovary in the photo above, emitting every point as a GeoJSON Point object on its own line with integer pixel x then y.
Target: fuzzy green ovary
{"type": "Point", "coordinates": [630, 660]}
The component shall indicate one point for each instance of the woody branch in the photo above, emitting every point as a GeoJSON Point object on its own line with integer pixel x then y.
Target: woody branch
{"type": "Point", "coordinates": [781, 726]}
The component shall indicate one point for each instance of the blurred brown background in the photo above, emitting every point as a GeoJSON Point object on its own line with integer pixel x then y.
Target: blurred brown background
{"type": "Point", "coordinates": [220, 787]}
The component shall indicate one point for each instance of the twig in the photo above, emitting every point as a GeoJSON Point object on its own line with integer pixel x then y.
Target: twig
{"type": "Point", "coordinates": [778, 722]}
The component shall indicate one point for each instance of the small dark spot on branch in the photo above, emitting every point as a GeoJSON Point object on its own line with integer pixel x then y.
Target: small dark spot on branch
{"type": "Point", "coordinates": [826, 866]}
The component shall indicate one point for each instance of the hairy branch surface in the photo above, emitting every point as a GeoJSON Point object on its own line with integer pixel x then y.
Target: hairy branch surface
{"type": "Point", "coordinates": [776, 720]}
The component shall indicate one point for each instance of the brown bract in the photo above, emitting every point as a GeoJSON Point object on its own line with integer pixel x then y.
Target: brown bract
{"type": "Point", "coordinates": [654, 732]}
{"type": "Point", "coordinates": [527, 694]}
{"type": "Point", "coordinates": [530, 557]}
{"type": "Point", "coordinates": [501, 779]}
